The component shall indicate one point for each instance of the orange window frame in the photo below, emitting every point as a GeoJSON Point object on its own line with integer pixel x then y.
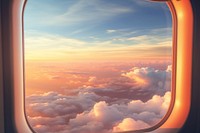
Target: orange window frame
{"type": "Point", "coordinates": [181, 77]}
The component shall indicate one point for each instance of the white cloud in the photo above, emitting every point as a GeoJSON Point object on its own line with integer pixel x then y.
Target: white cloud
{"type": "Point", "coordinates": [111, 31]}
{"type": "Point", "coordinates": [105, 116]}
{"type": "Point", "coordinates": [151, 39]}
{"type": "Point", "coordinates": [102, 110]}
{"type": "Point", "coordinates": [53, 104]}
{"type": "Point", "coordinates": [139, 38]}
{"type": "Point", "coordinates": [150, 77]}
{"type": "Point", "coordinates": [129, 124]}
{"type": "Point", "coordinates": [123, 117]}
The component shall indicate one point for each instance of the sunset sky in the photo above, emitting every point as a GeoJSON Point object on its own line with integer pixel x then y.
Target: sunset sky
{"type": "Point", "coordinates": [97, 30]}
{"type": "Point", "coordinates": [96, 66]}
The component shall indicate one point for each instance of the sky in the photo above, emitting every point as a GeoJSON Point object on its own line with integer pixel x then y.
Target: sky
{"type": "Point", "coordinates": [113, 29]}
{"type": "Point", "coordinates": [96, 66]}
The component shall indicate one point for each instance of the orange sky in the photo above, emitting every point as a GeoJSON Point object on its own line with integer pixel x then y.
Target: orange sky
{"type": "Point", "coordinates": [57, 76]}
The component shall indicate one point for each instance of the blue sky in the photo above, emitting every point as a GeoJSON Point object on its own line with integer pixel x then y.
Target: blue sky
{"type": "Point", "coordinates": [116, 22]}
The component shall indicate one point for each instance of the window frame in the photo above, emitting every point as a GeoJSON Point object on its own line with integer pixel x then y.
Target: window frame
{"type": "Point", "coordinates": [13, 116]}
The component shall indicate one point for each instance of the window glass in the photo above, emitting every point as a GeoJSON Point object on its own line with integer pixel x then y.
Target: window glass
{"type": "Point", "coordinates": [96, 66]}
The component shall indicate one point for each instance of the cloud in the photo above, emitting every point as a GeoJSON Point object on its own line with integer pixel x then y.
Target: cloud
{"type": "Point", "coordinates": [44, 40]}
{"type": "Point", "coordinates": [92, 79]}
{"type": "Point", "coordinates": [100, 113]}
{"type": "Point", "coordinates": [139, 38]}
{"type": "Point", "coordinates": [129, 124]}
{"type": "Point", "coordinates": [60, 117]}
{"type": "Point", "coordinates": [68, 13]}
{"type": "Point", "coordinates": [137, 83]}
{"type": "Point", "coordinates": [132, 116]}
{"type": "Point", "coordinates": [150, 77]}
{"type": "Point", "coordinates": [144, 36]}
{"type": "Point", "coordinates": [92, 12]}
{"type": "Point", "coordinates": [52, 111]}
{"type": "Point", "coordinates": [52, 104]}
{"type": "Point", "coordinates": [144, 3]}
{"type": "Point", "coordinates": [120, 105]}
{"type": "Point", "coordinates": [111, 31]}
{"type": "Point", "coordinates": [147, 3]}
{"type": "Point", "coordinates": [119, 47]}
{"type": "Point", "coordinates": [150, 39]}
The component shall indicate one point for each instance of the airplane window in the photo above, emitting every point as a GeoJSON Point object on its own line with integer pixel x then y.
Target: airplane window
{"type": "Point", "coordinates": [96, 66]}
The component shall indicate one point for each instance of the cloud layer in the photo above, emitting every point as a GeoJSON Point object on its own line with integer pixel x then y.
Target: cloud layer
{"type": "Point", "coordinates": [119, 105]}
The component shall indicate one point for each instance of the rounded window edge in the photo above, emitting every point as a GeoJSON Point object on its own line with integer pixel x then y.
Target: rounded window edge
{"type": "Point", "coordinates": [20, 91]}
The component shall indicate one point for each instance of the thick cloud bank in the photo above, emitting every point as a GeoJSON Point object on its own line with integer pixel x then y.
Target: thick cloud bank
{"type": "Point", "coordinates": [97, 110]}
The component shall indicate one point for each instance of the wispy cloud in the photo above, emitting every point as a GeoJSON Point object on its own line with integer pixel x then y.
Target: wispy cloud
{"type": "Point", "coordinates": [111, 31]}
{"type": "Point", "coordinates": [143, 3]}
{"type": "Point", "coordinates": [145, 36]}
{"type": "Point", "coordinates": [42, 45]}
{"type": "Point", "coordinates": [147, 3]}
{"type": "Point", "coordinates": [90, 12]}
